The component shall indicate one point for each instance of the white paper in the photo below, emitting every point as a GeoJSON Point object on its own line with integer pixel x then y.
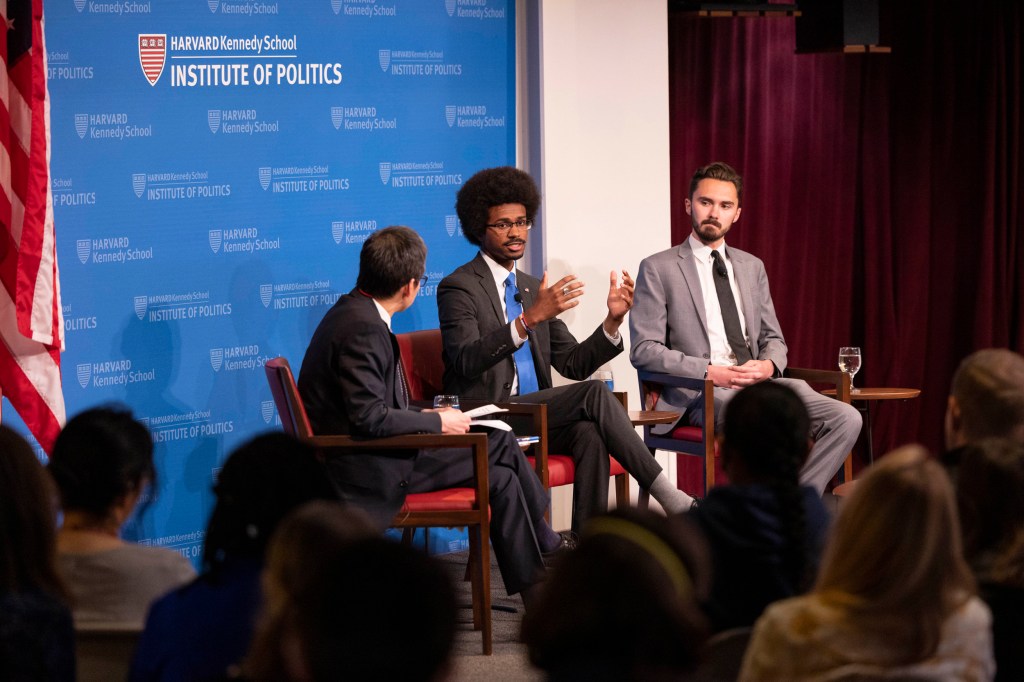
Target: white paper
{"type": "Point", "coordinates": [485, 410]}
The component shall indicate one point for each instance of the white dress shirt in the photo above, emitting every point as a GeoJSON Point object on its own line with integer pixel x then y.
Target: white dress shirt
{"type": "Point", "coordinates": [721, 351]}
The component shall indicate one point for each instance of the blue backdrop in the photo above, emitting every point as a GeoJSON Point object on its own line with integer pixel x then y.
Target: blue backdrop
{"type": "Point", "coordinates": [216, 166]}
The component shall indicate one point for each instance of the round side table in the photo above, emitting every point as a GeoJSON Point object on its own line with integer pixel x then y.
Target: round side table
{"type": "Point", "coordinates": [865, 396]}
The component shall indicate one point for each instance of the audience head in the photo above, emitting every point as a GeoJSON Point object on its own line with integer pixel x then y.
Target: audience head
{"type": "Point", "coordinates": [341, 602]}
{"type": "Point", "coordinates": [990, 494]}
{"type": "Point", "coordinates": [28, 519]}
{"type": "Point", "coordinates": [894, 561]}
{"type": "Point", "coordinates": [766, 434]}
{"type": "Point", "coordinates": [259, 484]}
{"type": "Point", "coordinates": [489, 188]}
{"type": "Point", "coordinates": [624, 604]}
{"type": "Point", "coordinates": [766, 439]}
{"type": "Point", "coordinates": [390, 259]}
{"type": "Point", "coordinates": [987, 398]}
{"type": "Point", "coordinates": [102, 462]}
{"type": "Point", "coordinates": [717, 170]}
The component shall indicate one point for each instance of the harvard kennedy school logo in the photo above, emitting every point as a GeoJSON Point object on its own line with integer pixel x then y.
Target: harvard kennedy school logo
{"type": "Point", "coordinates": [152, 54]}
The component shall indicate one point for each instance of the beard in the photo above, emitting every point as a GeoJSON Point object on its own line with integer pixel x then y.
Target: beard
{"type": "Point", "coordinates": [708, 231]}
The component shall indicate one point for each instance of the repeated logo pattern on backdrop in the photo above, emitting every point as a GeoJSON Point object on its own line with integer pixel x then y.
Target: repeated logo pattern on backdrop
{"type": "Point", "coordinates": [217, 165]}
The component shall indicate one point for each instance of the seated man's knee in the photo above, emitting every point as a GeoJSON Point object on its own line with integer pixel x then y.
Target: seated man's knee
{"type": "Point", "coordinates": [851, 417]}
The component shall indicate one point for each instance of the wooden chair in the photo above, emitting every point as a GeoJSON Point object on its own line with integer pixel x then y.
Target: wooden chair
{"type": "Point", "coordinates": [424, 372]}
{"type": "Point", "coordinates": [700, 441]}
{"type": "Point", "coordinates": [104, 651]}
{"type": "Point", "coordinates": [443, 508]}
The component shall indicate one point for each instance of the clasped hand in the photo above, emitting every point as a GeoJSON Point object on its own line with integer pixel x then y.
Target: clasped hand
{"type": "Point", "coordinates": [738, 376]}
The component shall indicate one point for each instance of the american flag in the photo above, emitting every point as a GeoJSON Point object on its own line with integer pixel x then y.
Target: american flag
{"type": "Point", "coordinates": [31, 323]}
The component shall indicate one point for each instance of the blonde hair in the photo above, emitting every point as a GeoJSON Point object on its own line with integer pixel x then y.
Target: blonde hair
{"type": "Point", "coordinates": [894, 565]}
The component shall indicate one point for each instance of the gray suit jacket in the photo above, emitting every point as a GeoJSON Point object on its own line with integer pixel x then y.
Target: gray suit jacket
{"type": "Point", "coordinates": [669, 329]}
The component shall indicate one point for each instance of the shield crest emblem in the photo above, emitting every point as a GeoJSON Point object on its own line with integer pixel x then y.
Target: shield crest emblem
{"type": "Point", "coordinates": [216, 237]}
{"type": "Point", "coordinates": [337, 116]}
{"type": "Point", "coordinates": [83, 246]}
{"type": "Point", "coordinates": [449, 114]}
{"type": "Point", "coordinates": [266, 294]}
{"type": "Point", "coordinates": [213, 4]}
{"type": "Point", "coordinates": [141, 303]}
{"type": "Point", "coordinates": [152, 54]}
{"type": "Point", "coordinates": [79, 5]}
{"type": "Point", "coordinates": [338, 231]}
{"type": "Point", "coordinates": [449, 6]}
{"type": "Point", "coordinates": [451, 223]}
{"type": "Point", "coordinates": [216, 358]}
{"type": "Point", "coordinates": [213, 120]}
{"type": "Point", "coordinates": [384, 57]}
{"type": "Point", "coordinates": [264, 176]}
{"type": "Point", "coordinates": [139, 183]}
{"type": "Point", "coordinates": [385, 171]}
{"type": "Point", "coordinates": [81, 125]}
{"type": "Point", "coordinates": [84, 371]}
{"type": "Point", "coordinates": [336, 6]}
{"type": "Point", "coordinates": [267, 410]}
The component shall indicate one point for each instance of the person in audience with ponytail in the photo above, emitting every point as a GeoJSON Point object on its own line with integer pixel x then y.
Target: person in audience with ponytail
{"type": "Point", "coordinates": [37, 641]}
{"type": "Point", "coordinates": [766, 531]}
{"type": "Point", "coordinates": [102, 463]}
{"type": "Point", "coordinates": [894, 600]}
{"type": "Point", "coordinates": [198, 631]}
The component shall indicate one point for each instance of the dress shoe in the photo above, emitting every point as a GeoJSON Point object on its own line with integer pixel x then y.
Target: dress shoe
{"type": "Point", "coordinates": [567, 543]}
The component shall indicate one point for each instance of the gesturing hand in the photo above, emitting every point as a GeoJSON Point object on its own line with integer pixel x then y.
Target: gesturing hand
{"type": "Point", "coordinates": [620, 298]}
{"type": "Point", "coordinates": [554, 299]}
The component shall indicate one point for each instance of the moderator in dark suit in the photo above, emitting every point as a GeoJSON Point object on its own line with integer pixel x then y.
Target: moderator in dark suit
{"type": "Point", "coordinates": [584, 419]}
{"type": "Point", "coordinates": [349, 384]}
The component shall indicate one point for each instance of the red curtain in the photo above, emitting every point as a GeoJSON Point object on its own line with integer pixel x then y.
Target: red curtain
{"type": "Point", "coordinates": [883, 192]}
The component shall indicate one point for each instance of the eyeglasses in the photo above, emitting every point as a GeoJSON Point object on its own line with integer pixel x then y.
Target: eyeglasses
{"type": "Point", "coordinates": [423, 280]}
{"type": "Point", "coordinates": [507, 226]}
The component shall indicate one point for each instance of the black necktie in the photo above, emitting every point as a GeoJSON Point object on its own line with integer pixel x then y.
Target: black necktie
{"type": "Point", "coordinates": [730, 316]}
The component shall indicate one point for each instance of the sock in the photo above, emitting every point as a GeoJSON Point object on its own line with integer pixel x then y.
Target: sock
{"type": "Point", "coordinates": [672, 500]}
{"type": "Point", "coordinates": [547, 538]}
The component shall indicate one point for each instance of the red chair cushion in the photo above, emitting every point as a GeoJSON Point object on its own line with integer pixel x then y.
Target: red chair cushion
{"type": "Point", "coordinates": [562, 470]}
{"type": "Point", "coordinates": [442, 500]}
{"type": "Point", "coordinates": [689, 433]}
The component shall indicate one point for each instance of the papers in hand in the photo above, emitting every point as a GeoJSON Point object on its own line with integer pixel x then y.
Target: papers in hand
{"type": "Point", "coordinates": [485, 410]}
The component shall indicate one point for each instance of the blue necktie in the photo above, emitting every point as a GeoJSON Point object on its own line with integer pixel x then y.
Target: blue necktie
{"type": "Point", "coordinates": [523, 357]}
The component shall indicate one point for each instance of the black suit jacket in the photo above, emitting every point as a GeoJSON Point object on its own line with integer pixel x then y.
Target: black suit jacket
{"type": "Point", "coordinates": [478, 347]}
{"type": "Point", "coordinates": [348, 385]}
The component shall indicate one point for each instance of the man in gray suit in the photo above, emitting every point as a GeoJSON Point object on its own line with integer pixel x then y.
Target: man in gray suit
{"type": "Point", "coordinates": [704, 310]}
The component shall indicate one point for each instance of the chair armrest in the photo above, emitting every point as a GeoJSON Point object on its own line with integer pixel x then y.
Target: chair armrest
{"type": "Point", "coordinates": [840, 380]}
{"type": "Point", "coordinates": [650, 396]}
{"type": "Point", "coordinates": [413, 441]}
{"type": "Point", "coordinates": [675, 380]}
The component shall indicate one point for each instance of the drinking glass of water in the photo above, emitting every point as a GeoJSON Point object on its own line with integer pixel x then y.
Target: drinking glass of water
{"type": "Point", "coordinates": [446, 400]}
{"type": "Point", "coordinates": [849, 361]}
{"type": "Point", "coordinates": [606, 376]}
